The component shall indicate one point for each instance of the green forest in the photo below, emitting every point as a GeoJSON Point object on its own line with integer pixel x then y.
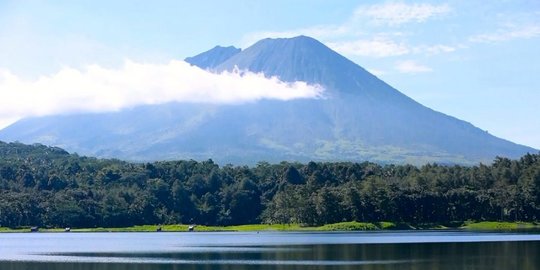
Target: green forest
{"type": "Point", "coordinates": [49, 187]}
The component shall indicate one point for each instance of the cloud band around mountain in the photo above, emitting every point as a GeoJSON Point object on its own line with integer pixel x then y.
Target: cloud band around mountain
{"type": "Point", "coordinates": [98, 89]}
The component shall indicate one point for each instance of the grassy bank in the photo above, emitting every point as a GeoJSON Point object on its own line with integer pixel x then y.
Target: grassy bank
{"type": "Point", "coordinates": [342, 226]}
{"type": "Point", "coordinates": [492, 225]}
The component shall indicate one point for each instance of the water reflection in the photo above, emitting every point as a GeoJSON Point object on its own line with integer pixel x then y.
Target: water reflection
{"type": "Point", "coordinates": [498, 255]}
{"type": "Point", "coordinates": [414, 256]}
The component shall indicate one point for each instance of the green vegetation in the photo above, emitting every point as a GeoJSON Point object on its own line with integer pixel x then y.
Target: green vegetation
{"type": "Point", "coordinates": [50, 188]}
{"type": "Point", "coordinates": [349, 226]}
{"type": "Point", "coordinates": [491, 225]}
{"type": "Point", "coordinates": [252, 227]}
{"type": "Point", "coordinates": [341, 226]}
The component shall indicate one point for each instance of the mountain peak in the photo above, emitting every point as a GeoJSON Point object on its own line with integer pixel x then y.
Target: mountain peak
{"type": "Point", "coordinates": [298, 39]}
{"type": "Point", "coordinates": [302, 58]}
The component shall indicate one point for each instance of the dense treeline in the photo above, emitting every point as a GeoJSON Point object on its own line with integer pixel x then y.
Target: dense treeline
{"type": "Point", "coordinates": [46, 186]}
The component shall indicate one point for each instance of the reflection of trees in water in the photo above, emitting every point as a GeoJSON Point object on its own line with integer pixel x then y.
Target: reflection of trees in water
{"type": "Point", "coordinates": [432, 256]}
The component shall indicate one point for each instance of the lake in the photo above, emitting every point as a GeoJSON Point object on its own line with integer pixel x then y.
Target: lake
{"type": "Point", "coordinates": [270, 250]}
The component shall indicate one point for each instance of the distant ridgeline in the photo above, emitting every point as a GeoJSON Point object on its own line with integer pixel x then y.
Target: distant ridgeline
{"type": "Point", "coordinates": [46, 186]}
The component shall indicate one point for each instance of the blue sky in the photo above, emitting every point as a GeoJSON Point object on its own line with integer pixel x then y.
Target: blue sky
{"type": "Point", "coordinates": [475, 60]}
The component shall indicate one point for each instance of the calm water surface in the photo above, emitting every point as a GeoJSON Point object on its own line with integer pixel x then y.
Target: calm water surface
{"type": "Point", "coordinates": [270, 250]}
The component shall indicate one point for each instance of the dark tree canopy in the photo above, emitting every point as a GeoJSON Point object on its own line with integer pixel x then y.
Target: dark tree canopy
{"type": "Point", "coordinates": [46, 186]}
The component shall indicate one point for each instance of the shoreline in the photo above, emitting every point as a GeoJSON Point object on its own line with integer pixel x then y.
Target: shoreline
{"type": "Point", "coordinates": [342, 226]}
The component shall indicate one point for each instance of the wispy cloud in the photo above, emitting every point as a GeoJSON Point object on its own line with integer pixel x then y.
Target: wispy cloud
{"type": "Point", "coordinates": [354, 38]}
{"type": "Point", "coordinates": [98, 89]}
{"type": "Point", "coordinates": [434, 49]}
{"type": "Point", "coordinates": [400, 13]}
{"type": "Point", "coordinates": [376, 72]}
{"type": "Point", "coordinates": [411, 66]}
{"type": "Point", "coordinates": [377, 47]}
{"type": "Point", "coordinates": [508, 33]}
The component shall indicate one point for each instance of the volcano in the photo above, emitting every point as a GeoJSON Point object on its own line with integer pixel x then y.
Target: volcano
{"type": "Point", "coordinates": [360, 118]}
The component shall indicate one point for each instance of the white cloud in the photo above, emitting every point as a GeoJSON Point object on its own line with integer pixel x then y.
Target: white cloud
{"type": "Point", "coordinates": [354, 36]}
{"type": "Point", "coordinates": [376, 72]}
{"type": "Point", "coordinates": [509, 33]}
{"type": "Point", "coordinates": [434, 49]}
{"type": "Point", "coordinates": [377, 47]}
{"type": "Point", "coordinates": [4, 122]}
{"type": "Point", "coordinates": [400, 13]}
{"type": "Point", "coordinates": [98, 89]}
{"type": "Point", "coordinates": [410, 66]}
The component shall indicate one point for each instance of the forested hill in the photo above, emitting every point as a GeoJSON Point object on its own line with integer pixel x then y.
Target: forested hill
{"type": "Point", "coordinates": [47, 186]}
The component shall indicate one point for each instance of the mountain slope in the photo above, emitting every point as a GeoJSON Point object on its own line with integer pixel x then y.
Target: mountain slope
{"type": "Point", "coordinates": [382, 115]}
{"type": "Point", "coordinates": [212, 58]}
{"type": "Point", "coordinates": [361, 118]}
